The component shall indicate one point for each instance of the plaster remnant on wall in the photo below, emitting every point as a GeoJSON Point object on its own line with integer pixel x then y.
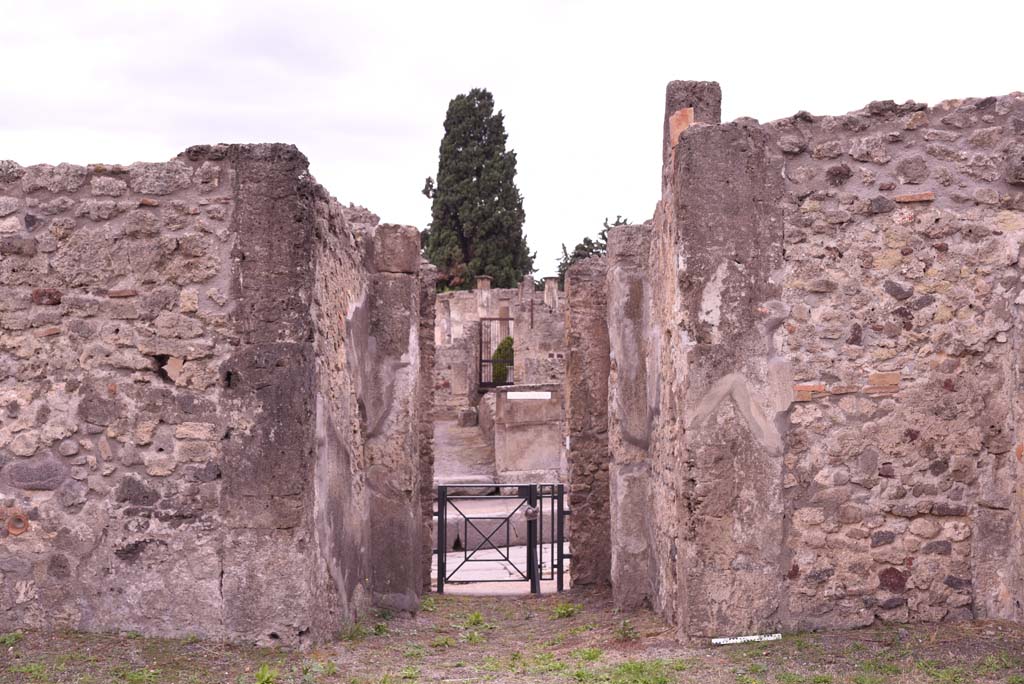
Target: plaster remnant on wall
{"type": "Point", "coordinates": [711, 301]}
{"type": "Point", "coordinates": [735, 387]}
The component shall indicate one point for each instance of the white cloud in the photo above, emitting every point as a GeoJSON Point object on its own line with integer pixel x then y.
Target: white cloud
{"type": "Point", "coordinates": [362, 87]}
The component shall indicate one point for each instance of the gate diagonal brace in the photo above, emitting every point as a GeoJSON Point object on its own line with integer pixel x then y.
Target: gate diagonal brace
{"type": "Point", "coordinates": [486, 540]}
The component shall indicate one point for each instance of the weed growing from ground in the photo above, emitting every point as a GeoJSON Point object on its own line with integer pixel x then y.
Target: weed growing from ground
{"type": "Point", "coordinates": [354, 632]}
{"type": "Point", "coordinates": [991, 664]}
{"type": "Point", "coordinates": [878, 666]}
{"type": "Point", "coordinates": [625, 631]}
{"type": "Point", "coordinates": [414, 652]}
{"type": "Point", "coordinates": [129, 675]}
{"type": "Point", "coordinates": [10, 638]}
{"type": "Point", "coordinates": [564, 609]}
{"type": "Point", "coordinates": [35, 671]}
{"type": "Point", "coordinates": [266, 675]}
{"type": "Point", "coordinates": [640, 672]}
{"type": "Point", "coordinates": [943, 675]}
{"type": "Point", "coordinates": [443, 642]}
{"type": "Point", "coordinates": [743, 678]}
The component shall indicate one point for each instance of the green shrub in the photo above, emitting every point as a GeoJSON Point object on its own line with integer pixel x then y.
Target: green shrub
{"type": "Point", "coordinates": [504, 352]}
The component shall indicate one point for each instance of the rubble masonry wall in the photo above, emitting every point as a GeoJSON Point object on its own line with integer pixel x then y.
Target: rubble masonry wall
{"type": "Point", "coordinates": [193, 425]}
{"type": "Point", "coordinates": [814, 388]}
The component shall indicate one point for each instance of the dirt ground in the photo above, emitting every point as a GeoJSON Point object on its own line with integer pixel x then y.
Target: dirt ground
{"type": "Point", "coordinates": [575, 637]}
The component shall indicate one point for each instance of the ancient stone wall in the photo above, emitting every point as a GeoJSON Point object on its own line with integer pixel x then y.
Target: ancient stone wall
{"type": "Point", "coordinates": [197, 371]}
{"type": "Point", "coordinates": [424, 405]}
{"type": "Point", "coordinates": [537, 327]}
{"type": "Point", "coordinates": [901, 291]}
{"type": "Point", "coordinates": [529, 433]}
{"type": "Point", "coordinates": [814, 359]}
{"type": "Point", "coordinates": [586, 418]}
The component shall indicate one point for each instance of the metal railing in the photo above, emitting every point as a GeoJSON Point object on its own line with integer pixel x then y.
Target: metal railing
{"type": "Point", "coordinates": [545, 560]}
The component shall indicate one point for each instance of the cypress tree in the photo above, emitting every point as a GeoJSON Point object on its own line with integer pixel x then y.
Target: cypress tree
{"type": "Point", "coordinates": [477, 216]}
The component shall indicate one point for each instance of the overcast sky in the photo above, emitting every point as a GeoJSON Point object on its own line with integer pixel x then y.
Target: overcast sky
{"type": "Point", "coordinates": [362, 87]}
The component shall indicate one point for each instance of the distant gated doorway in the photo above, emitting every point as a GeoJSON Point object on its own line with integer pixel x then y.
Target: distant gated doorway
{"type": "Point", "coordinates": [497, 357]}
{"type": "Point", "coordinates": [524, 535]}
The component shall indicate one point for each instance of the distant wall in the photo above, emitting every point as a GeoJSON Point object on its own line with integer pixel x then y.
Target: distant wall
{"type": "Point", "coordinates": [537, 327]}
{"type": "Point", "coordinates": [204, 372]}
{"type": "Point", "coordinates": [528, 433]}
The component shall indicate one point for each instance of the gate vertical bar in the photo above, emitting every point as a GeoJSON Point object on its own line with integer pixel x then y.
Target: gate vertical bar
{"type": "Point", "coordinates": [442, 542]}
{"type": "Point", "coordinates": [560, 523]}
{"type": "Point", "coordinates": [532, 569]}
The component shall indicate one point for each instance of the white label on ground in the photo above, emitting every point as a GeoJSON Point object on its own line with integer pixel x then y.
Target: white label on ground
{"type": "Point", "coordinates": [721, 641]}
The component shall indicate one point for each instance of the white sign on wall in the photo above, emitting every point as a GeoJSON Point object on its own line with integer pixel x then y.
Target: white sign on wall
{"type": "Point", "coordinates": [519, 396]}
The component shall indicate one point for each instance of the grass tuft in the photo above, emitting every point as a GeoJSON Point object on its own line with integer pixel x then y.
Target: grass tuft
{"type": "Point", "coordinates": [564, 609]}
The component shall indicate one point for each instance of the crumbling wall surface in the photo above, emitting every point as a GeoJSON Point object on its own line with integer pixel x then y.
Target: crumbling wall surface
{"type": "Point", "coordinates": [827, 433]}
{"type": "Point", "coordinates": [182, 448]}
{"type": "Point", "coordinates": [341, 341]}
{"type": "Point", "coordinates": [586, 418]}
{"type": "Point", "coordinates": [717, 448]}
{"type": "Point", "coordinates": [528, 433]}
{"type": "Point", "coordinates": [388, 374]}
{"type": "Point", "coordinates": [904, 228]}
{"type": "Point", "coordinates": [456, 373]}
{"type": "Point", "coordinates": [425, 413]}
{"type": "Point", "coordinates": [632, 393]}
{"type": "Point", "coordinates": [539, 340]}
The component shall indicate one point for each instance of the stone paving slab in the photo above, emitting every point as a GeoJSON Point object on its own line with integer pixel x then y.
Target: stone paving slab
{"type": "Point", "coordinates": [487, 577]}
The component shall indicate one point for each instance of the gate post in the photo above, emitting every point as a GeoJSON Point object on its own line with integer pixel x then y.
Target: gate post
{"type": "Point", "coordinates": [532, 569]}
{"type": "Point", "coordinates": [560, 536]}
{"type": "Point", "coordinates": [442, 530]}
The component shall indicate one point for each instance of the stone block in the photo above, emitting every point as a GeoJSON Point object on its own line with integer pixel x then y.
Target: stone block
{"type": "Point", "coordinates": [159, 179]}
{"type": "Point", "coordinates": [66, 178]}
{"type": "Point", "coordinates": [396, 249]}
{"type": "Point", "coordinates": [40, 474]}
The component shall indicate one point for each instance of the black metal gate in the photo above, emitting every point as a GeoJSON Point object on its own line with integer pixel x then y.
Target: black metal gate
{"type": "Point", "coordinates": [541, 507]}
{"type": "Point", "coordinates": [497, 362]}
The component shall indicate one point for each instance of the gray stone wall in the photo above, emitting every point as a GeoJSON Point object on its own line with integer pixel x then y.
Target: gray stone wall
{"type": "Point", "coordinates": [538, 329]}
{"type": "Point", "coordinates": [586, 419]}
{"type": "Point", "coordinates": [814, 360]}
{"type": "Point", "coordinates": [904, 226]}
{"type": "Point", "coordinates": [529, 433]}
{"type": "Point", "coordinates": [424, 407]}
{"type": "Point", "coordinates": [187, 443]}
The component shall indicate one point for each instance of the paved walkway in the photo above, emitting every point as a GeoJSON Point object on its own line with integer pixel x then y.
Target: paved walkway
{"type": "Point", "coordinates": [488, 571]}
